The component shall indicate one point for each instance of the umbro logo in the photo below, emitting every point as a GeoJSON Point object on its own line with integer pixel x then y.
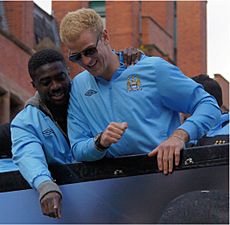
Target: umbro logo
{"type": "Point", "coordinates": [90, 92]}
{"type": "Point", "coordinates": [47, 132]}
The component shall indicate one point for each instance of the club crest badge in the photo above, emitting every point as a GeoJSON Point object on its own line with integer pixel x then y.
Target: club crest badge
{"type": "Point", "coordinates": [133, 83]}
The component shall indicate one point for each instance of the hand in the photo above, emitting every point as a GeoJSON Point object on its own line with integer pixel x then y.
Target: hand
{"type": "Point", "coordinates": [51, 205]}
{"type": "Point", "coordinates": [113, 133]}
{"type": "Point", "coordinates": [131, 56]}
{"type": "Point", "coordinates": [166, 152]}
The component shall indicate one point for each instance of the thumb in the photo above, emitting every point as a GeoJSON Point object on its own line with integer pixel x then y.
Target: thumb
{"type": "Point", "coordinates": [124, 124]}
{"type": "Point", "coordinates": [153, 153]}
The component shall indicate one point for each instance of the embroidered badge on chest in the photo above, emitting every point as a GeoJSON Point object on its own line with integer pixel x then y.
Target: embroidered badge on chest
{"type": "Point", "coordinates": [133, 83]}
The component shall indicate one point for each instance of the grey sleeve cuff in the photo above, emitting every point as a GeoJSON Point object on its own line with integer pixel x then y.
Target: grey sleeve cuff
{"type": "Point", "coordinates": [46, 187]}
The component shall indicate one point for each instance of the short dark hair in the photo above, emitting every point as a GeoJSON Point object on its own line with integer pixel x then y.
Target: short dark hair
{"type": "Point", "coordinates": [43, 57]}
{"type": "Point", "coordinates": [211, 86]}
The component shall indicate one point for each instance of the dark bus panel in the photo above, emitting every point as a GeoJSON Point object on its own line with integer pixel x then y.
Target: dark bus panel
{"type": "Point", "coordinates": [126, 190]}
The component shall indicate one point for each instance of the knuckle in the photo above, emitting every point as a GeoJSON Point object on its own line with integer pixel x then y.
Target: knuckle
{"type": "Point", "coordinates": [160, 148]}
{"type": "Point", "coordinates": [177, 153]}
{"type": "Point", "coordinates": [165, 160]}
{"type": "Point", "coordinates": [159, 159]}
{"type": "Point", "coordinates": [170, 158]}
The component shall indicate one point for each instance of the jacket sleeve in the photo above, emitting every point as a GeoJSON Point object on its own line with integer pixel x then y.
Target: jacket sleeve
{"type": "Point", "coordinates": [27, 152]}
{"type": "Point", "coordinates": [80, 136]}
{"type": "Point", "coordinates": [182, 94]}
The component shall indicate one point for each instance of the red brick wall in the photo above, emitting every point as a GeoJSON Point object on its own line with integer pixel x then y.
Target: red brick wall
{"type": "Point", "coordinates": [19, 16]}
{"type": "Point", "coordinates": [153, 34]}
{"type": "Point", "coordinates": [122, 23]}
{"type": "Point", "coordinates": [14, 65]}
{"type": "Point", "coordinates": [161, 11]}
{"type": "Point", "coordinates": [191, 37]}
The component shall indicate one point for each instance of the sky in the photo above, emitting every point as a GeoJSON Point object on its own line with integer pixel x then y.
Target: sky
{"type": "Point", "coordinates": [218, 35]}
{"type": "Point", "coordinates": [218, 27]}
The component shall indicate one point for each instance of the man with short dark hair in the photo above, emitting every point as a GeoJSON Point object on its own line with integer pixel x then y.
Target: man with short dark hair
{"type": "Point", "coordinates": [39, 131]}
{"type": "Point", "coordinates": [219, 134]}
{"type": "Point", "coordinates": [211, 86]}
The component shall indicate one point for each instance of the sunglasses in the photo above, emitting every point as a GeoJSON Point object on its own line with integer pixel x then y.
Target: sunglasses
{"type": "Point", "coordinates": [88, 52]}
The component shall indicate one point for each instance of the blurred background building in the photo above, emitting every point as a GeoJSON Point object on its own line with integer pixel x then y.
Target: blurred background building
{"type": "Point", "coordinates": [176, 31]}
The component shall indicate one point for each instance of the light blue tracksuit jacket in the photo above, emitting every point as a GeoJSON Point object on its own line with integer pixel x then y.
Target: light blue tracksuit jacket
{"type": "Point", "coordinates": [149, 96]}
{"type": "Point", "coordinates": [36, 141]}
{"type": "Point", "coordinates": [222, 128]}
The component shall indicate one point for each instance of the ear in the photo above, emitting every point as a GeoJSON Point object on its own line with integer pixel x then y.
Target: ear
{"type": "Point", "coordinates": [105, 36]}
{"type": "Point", "coordinates": [33, 84]}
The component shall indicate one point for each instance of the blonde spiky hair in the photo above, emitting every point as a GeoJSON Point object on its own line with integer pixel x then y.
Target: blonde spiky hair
{"type": "Point", "coordinates": [77, 21]}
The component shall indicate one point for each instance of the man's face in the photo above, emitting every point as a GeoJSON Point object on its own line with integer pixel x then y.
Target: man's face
{"type": "Point", "coordinates": [52, 82]}
{"type": "Point", "coordinates": [89, 51]}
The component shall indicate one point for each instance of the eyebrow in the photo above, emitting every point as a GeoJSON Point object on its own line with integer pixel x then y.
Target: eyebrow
{"type": "Point", "coordinates": [48, 77]}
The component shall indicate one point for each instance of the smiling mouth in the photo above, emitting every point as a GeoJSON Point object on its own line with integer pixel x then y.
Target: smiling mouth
{"type": "Point", "coordinates": [92, 65]}
{"type": "Point", "coordinates": [58, 96]}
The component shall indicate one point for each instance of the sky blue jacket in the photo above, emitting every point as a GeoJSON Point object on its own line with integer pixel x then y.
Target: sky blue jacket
{"type": "Point", "coordinates": [36, 141]}
{"type": "Point", "coordinates": [7, 165]}
{"type": "Point", "coordinates": [221, 128]}
{"type": "Point", "coordinates": [148, 96]}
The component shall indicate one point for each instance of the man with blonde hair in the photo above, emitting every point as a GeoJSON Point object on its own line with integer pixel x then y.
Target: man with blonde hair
{"type": "Point", "coordinates": [115, 110]}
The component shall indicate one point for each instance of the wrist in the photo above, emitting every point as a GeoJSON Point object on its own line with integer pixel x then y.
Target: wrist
{"type": "Point", "coordinates": [97, 143]}
{"type": "Point", "coordinates": [181, 135]}
{"type": "Point", "coordinates": [178, 138]}
{"type": "Point", "coordinates": [47, 187]}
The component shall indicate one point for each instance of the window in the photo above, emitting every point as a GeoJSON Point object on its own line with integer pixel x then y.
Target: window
{"type": "Point", "coordinates": [99, 7]}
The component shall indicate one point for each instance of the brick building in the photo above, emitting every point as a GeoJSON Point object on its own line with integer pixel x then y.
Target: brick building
{"type": "Point", "coordinates": [175, 31]}
{"type": "Point", "coordinates": [24, 28]}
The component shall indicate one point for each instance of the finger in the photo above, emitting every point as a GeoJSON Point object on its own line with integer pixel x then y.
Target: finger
{"type": "Point", "coordinates": [165, 161]}
{"type": "Point", "coordinates": [114, 132]}
{"type": "Point", "coordinates": [177, 156]}
{"type": "Point", "coordinates": [112, 137]}
{"type": "Point", "coordinates": [44, 207]}
{"type": "Point", "coordinates": [170, 158]}
{"type": "Point", "coordinates": [50, 202]}
{"type": "Point", "coordinates": [117, 127]}
{"type": "Point", "coordinates": [55, 208]}
{"type": "Point", "coordinates": [56, 212]}
{"type": "Point", "coordinates": [134, 56]}
{"type": "Point", "coordinates": [59, 212]}
{"type": "Point", "coordinates": [129, 56]}
{"type": "Point", "coordinates": [153, 152]}
{"type": "Point", "coordinates": [51, 210]}
{"type": "Point", "coordinates": [129, 60]}
{"type": "Point", "coordinates": [138, 57]}
{"type": "Point", "coordinates": [160, 159]}
{"type": "Point", "coordinates": [125, 56]}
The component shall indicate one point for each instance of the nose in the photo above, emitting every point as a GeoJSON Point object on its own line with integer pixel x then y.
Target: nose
{"type": "Point", "coordinates": [85, 60]}
{"type": "Point", "coordinates": [55, 85]}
